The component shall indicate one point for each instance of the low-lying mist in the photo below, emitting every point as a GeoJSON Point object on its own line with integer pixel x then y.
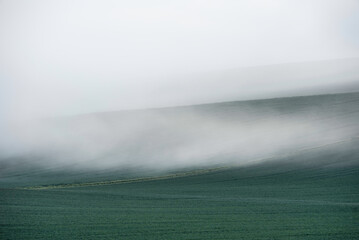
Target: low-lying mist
{"type": "Point", "coordinates": [235, 133]}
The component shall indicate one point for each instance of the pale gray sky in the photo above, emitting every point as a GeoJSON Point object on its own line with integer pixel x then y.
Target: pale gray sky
{"type": "Point", "coordinates": [68, 57]}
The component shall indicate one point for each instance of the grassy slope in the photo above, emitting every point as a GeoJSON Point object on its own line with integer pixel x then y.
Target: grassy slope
{"type": "Point", "coordinates": [233, 204]}
{"type": "Point", "coordinates": [310, 195]}
{"type": "Point", "coordinates": [277, 200]}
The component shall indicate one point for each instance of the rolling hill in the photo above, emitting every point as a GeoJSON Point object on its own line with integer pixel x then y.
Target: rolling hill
{"type": "Point", "coordinates": [284, 168]}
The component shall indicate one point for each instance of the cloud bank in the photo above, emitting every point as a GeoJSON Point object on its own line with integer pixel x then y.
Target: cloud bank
{"type": "Point", "coordinates": [70, 57]}
{"type": "Point", "coordinates": [234, 133]}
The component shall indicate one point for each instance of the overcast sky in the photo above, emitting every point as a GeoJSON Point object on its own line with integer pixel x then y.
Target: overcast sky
{"type": "Point", "coordinates": [69, 57]}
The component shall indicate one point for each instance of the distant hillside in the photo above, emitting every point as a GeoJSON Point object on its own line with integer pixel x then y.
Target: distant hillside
{"type": "Point", "coordinates": [145, 142]}
{"type": "Point", "coordinates": [261, 82]}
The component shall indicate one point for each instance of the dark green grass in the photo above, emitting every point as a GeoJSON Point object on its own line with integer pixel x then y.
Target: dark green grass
{"type": "Point", "coordinates": [309, 195]}
{"type": "Point", "coordinates": [260, 202]}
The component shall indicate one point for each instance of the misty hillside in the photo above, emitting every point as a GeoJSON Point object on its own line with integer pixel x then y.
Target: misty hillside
{"type": "Point", "coordinates": [145, 142]}
{"type": "Point", "coordinates": [258, 82]}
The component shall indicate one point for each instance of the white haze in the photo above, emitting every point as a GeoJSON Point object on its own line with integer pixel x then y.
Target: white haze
{"type": "Point", "coordinates": [173, 138]}
{"type": "Point", "coordinates": [62, 57]}
{"type": "Point", "coordinates": [68, 57]}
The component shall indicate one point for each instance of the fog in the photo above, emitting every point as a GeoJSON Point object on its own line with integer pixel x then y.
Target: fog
{"type": "Point", "coordinates": [238, 133]}
{"type": "Point", "coordinates": [64, 63]}
{"type": "Point", "coordinates": [71, 57]}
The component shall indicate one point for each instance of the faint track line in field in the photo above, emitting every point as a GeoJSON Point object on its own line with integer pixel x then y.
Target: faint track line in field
{"type": "Point", "coordinates": [178, 175]}
{"type": "Point", "coordinates": [132, 180]}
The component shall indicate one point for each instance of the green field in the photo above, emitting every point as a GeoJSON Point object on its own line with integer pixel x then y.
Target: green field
{"type": "Point", "coordinates": [288, 198]}
{"type": "Point", "coordinates": [308, 194]}
{"type": "Point", "coordinates": [261, 202]}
